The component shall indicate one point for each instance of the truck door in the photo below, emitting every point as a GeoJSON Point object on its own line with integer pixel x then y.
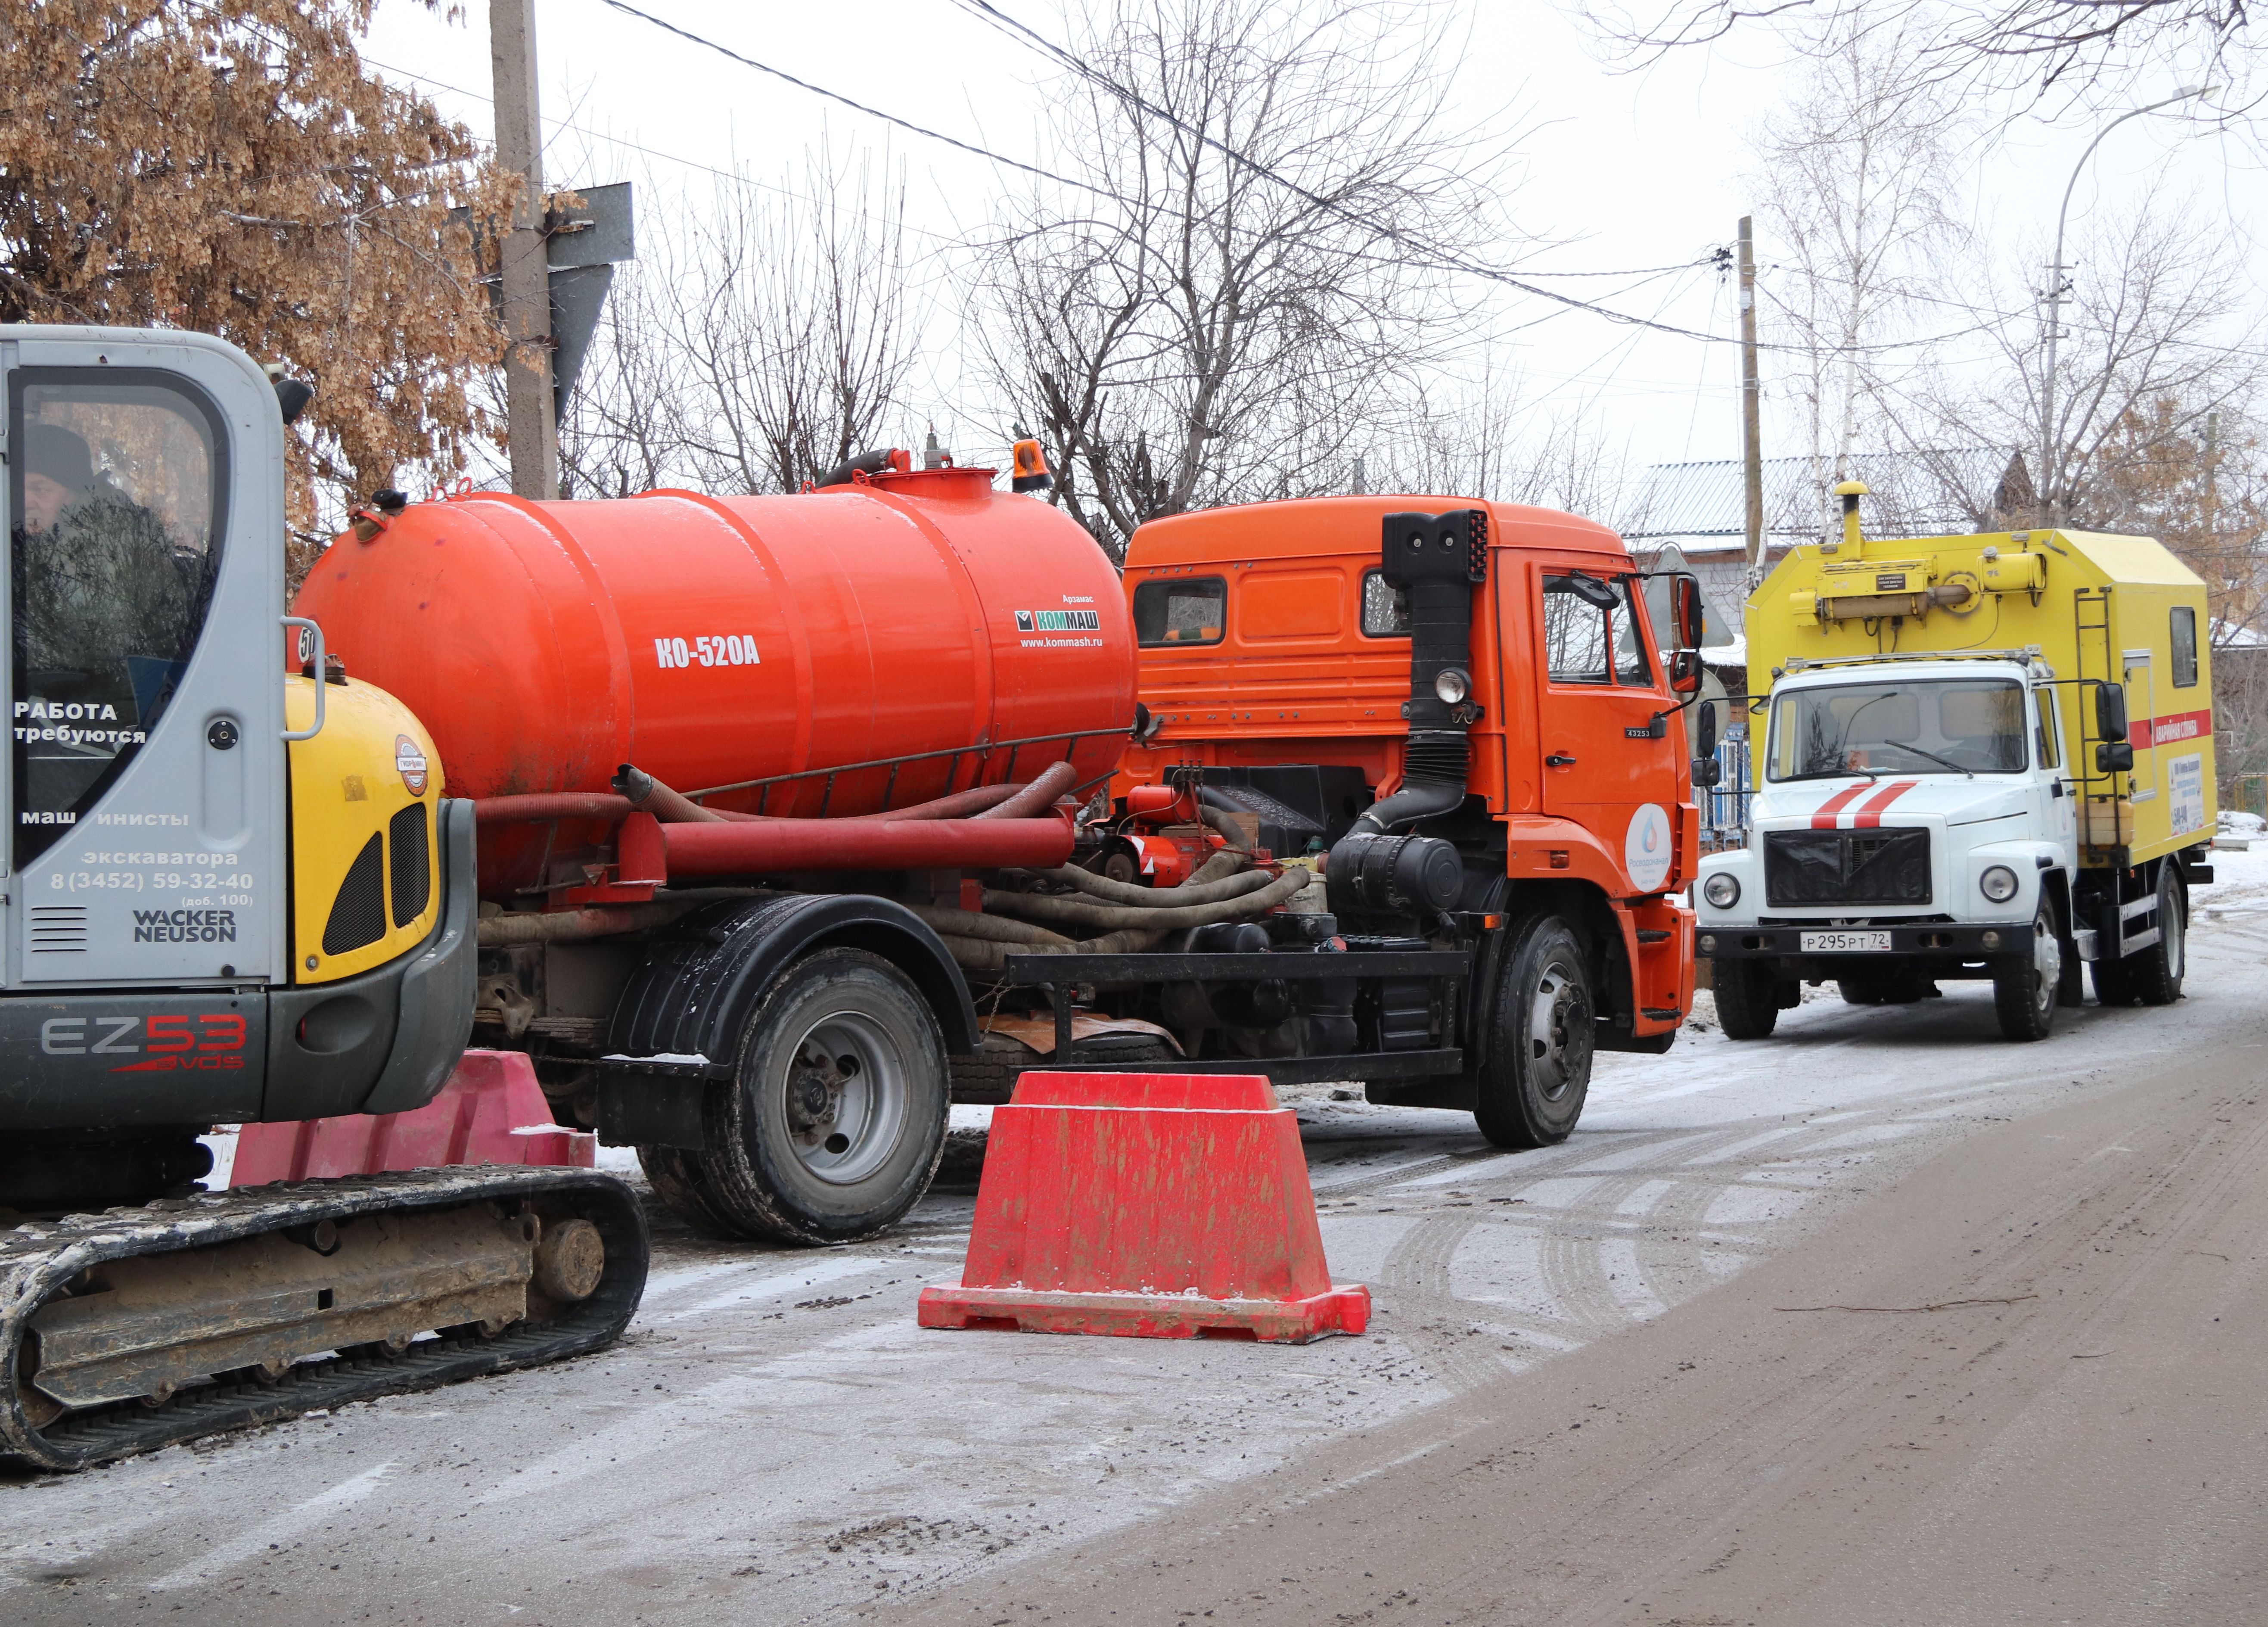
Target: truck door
{"type": "Point", "coordinates": [1601, 686]}
{"type": "Point", "coordinates": [144, 785]}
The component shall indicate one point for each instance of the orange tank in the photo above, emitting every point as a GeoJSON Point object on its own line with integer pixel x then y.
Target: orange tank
{"type": "Point", "coordinates": [719, 641]}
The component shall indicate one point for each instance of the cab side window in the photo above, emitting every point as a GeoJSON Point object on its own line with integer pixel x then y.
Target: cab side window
{"type": "Point", "coordinates": [1577, 635]}
{"type": "Point", "coordinates": [1181, 610]}
{"type": "Point", "coordinates": [1632, 665]}
{"type": "Point", "coordinates": [2185, 663]}
{"type": "Point", "coordinates": [118, 495]}
{"type": "Point", "coordinates": [1385, 608]}
{"type": "Point", "coordinates": [2047, 734]}
{"type": "Point", "coordinates": [1584, 642]}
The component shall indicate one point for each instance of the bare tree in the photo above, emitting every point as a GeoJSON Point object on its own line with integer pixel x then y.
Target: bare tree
{"type": "Point", "coordinates": [1859, 182]}
{"type": "Point", "coordinates": [2160, 312]}
{"type": "Point", "coordinates": [756, 343]}
{"type": "Point", "coordinates": [1487, 444]}
{"type": "Point", "coordinates": [1231, 297]}
{"type": "Point", "coordinates": [2078, 47]}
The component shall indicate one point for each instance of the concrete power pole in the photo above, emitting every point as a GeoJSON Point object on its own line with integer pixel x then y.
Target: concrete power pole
{"type": "Point", "coordinates": [528, 402]}
{"type": "Point", "coordinates": [1752, 460]}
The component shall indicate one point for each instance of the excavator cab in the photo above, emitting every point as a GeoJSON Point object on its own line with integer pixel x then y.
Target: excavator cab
{"type": "Point", "coordinates": [232, 893]}
{"type": "Point", "coordinates": [211, 915]}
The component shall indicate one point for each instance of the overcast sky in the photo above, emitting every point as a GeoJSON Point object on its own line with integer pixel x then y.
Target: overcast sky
{"type": "Point", "coordinates": [1617, 171]}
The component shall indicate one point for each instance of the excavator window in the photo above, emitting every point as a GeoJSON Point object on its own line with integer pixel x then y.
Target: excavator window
{"type": "Point", "coordinates": [1181, 610]}
{"type": "Point", "coordinates": [117, 498]}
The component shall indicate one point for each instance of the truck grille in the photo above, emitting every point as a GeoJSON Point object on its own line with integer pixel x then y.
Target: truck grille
{"type": "Point", "coordinates": [1885, 867]}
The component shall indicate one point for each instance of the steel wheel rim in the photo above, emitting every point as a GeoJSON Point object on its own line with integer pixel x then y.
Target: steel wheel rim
{"type": "Point", "coordinates": [1556, 995]}
{"type": "Point", "coordinates": [2173, 931]}
{"type": "Point", "coordinates": [2047, 961]}
{"type": "Point", "coordinates": [849, 1135]}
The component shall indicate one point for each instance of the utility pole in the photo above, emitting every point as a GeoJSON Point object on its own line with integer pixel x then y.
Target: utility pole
{"type": "Point", "coordinates": [533, 429]}
{"type": "Point", "coordinates": [1752, 457]}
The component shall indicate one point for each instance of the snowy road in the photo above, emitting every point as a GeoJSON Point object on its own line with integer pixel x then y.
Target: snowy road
{"type": "Point", "coordinates": [776, 1442]}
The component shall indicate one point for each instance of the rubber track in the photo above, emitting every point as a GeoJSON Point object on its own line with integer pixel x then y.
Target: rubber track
{"type": "Point", "coordinates": [39, 1256]}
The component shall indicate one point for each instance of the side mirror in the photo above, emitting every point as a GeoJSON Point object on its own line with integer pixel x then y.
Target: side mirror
{"type": "Point", "coordinates": [1686, 611]}
{"type": "Point", "coordinates": [1685, 671]}
{"type": "Point", "coordinates": [2114, 757]}
{"type": "Point", "coordinates": [1704, 731]}
{"type": "Point", "coordinates": [1707, 771]}
{"type": "Point", "coordinates": [2110, 713]}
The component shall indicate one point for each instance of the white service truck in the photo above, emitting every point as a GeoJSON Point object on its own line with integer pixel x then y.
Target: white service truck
{"type": "Point", "coordinates": [1934, 803]}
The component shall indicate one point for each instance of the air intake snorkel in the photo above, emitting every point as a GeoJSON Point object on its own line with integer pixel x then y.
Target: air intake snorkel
{"type": "Point", "coordinates": [1437, 561]}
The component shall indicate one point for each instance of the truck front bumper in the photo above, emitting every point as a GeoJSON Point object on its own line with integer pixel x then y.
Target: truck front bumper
{"type": "Point", "coordinates": [1930, 940]}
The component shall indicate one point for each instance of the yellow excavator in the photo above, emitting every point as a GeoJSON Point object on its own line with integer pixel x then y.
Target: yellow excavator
{"type": "Point", "coordinates": [235, 892]}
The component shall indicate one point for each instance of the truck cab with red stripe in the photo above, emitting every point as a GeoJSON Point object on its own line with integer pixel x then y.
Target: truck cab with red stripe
{"type": "Point", "coordinates": [1912, 823]}
{"type": "Point", "coordinates": [1948, 784]}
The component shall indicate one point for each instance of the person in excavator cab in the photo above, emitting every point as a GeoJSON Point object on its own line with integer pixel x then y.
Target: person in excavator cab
{"type": "Point", "coordinates": [107, 607]}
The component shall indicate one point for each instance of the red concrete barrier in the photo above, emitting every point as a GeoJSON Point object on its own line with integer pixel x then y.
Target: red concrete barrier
{"type": "Point", "coordinates": [1160, 1205]}
{"type": "Point", "coordinates": [492, 1111]}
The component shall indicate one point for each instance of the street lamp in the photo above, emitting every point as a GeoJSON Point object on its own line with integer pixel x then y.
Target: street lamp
{"type": "Point", "coordinates": [2048, 460]}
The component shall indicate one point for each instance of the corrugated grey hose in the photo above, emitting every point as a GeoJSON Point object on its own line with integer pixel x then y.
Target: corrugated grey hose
{"type": "Point", "coordinates": [1083, 912]}
{"type": "Point", "coordinates": [1191, 892]}
{"type": "Point", "coordinates": [991, 953]}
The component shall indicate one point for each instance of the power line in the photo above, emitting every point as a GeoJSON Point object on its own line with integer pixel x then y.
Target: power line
{"type": "Point", "coordinates": [1444, 259]}
{"type": "Point", "coordinates": [1441, 260]}
{"type": "Point", "coordinates": [588, 134]}
{"type": "Point", "coordinates": [871, 113]}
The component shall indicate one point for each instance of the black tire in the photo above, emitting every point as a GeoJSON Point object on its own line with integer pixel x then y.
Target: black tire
{"type": "Point", "coordinates": [2024, 988]}
{"type": "Point", "coordinates": [851, 1037]}
{"type": "Point", "coordinates": [2113, 980]}
{"type": "Point", "coordinates": [1747, 998]}
{"type": "Point", "coordinates": [2157, 973]}
{"type": "Point", "coordinates": [675, 1177]}
{"type": "Point", "coordinates": [1543, 1032]}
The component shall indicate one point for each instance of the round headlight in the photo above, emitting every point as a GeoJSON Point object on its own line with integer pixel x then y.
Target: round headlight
{"type": "Point", "coordinates": [1998, 883]}
{"type": "Point", "coordinates": [1722, 890]}
{"type": "Point", "coordinates": [1452, 685]}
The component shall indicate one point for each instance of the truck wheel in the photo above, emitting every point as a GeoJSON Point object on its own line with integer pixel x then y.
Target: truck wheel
{"type": "Point", "coordinates": [834, 1121]}
{"type": "Point", "coordinates": [1748, 999]}
{"type": "Point", "coordinates": [1537, 1070]}
{"type": "Point", "coordinates": [675, 1177]}
{"type": "Point", "coordinates": [2024, 991]}
{"type": "Point", "coordinates": [2157, 973]}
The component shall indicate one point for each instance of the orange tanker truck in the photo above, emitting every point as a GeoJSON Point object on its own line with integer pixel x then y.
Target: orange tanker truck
{"type": "Point", "coordinates": [732, 815]}
{"type": "Point", "coordinates": [775, 794]}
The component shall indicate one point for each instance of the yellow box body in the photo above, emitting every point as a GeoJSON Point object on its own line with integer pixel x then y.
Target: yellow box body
{"type": "Point", "coordinates": [2094, 607]}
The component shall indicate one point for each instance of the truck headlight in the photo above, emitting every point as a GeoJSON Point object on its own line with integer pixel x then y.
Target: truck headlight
{"type": "Point", "coordinates": [1452, 685]}
{"type": "Point", "coordinates": [1998, 883]}
{"type": "Point", "coordinates": [1722, 890]}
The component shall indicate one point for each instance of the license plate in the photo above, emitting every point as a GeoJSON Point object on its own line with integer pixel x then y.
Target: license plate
{"type": "Point", "coordinates": [1845, 943]}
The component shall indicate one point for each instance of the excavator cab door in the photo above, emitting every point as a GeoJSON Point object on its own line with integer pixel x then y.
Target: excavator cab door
{"type": "Point", "coordinates": [145, 780]}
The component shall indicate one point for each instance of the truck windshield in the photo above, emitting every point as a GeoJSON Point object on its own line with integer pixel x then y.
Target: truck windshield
{"type": "Point", "coordinates": [1965, 725]}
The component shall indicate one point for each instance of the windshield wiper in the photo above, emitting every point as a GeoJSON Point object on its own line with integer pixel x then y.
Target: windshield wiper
{"type": "Point", "coordinates": [1841, 769]}
{"type": "Point", "coordinates": [1919, 752]}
